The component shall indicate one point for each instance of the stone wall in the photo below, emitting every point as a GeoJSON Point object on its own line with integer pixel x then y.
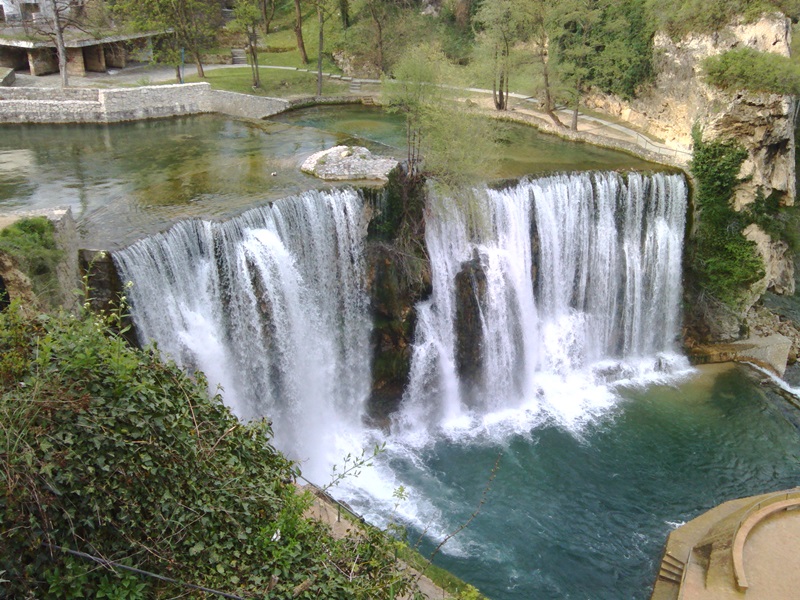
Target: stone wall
{"type": "Point", "coordinates": [244, 105]}
{"type": "Point", "coordinates": [7, 77]}
{"type": "Point", "coordinates": [74, 105]}
{"type": "Point", "coordinates": [50, 94]}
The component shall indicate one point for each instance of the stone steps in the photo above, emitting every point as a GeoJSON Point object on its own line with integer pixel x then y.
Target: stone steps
{"type": "Point", "coordinates": [239, 56]}
{"type": "Point", "coordinates": [671, 569]}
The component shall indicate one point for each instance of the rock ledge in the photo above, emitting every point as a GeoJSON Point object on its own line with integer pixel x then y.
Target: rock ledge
{"type": "Point", "coordinates": [347, 163]}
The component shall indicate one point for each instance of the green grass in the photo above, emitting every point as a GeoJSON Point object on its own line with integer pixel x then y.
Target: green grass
{"type": "Point", "coordinates": [274, 82]}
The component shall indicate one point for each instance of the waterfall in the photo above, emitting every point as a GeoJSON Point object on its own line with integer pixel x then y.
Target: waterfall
{"type": "Point", "coordinates": [272, 307]}
{"type": "Point", "coordinates": [543, 294]}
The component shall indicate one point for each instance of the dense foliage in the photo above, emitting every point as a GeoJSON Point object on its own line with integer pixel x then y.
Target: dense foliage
{"type": "Point", "coordinates": [705, 16]}
{"type": "Point", "coordinates": [106, 450]}
{"type": "Point", "coordinates": [723, 262]}
{"type": "Point", "coordinates": [31, 244]}
{"type": "Point", "coordinates": [748, 69]}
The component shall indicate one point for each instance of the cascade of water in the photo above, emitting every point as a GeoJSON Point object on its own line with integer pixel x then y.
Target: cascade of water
{"type": "Point", "coordinates": [567, 274]}
{"type": "Point", "coordinates": [272, 307]}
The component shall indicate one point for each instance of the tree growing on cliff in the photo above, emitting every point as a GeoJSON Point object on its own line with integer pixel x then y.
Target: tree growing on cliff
{"type": "Point", "coordinates": [724, 263]}
{"type": "Point", "coordinates": [754, 71]}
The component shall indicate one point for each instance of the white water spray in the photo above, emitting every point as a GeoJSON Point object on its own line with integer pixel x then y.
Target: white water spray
{"type": "Point", "coordinates": [272, 307]}
{"type": "Point", "coordinates": [582, 287]}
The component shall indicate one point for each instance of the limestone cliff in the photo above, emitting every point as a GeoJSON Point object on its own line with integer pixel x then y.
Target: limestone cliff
{"type": "Point", "coordinates": [763, 124]}
{"type": "Point", "coordinates": [679, 98]}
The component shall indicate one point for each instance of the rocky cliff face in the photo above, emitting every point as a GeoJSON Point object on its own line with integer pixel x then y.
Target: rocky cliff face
{"type": "Point", "coordinates": [762, 123]}
{"type": "Point", "coordinates": [679, 99]}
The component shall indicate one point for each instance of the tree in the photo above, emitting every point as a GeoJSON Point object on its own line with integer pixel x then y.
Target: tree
{"type": "Point", "coordinates": [572, 41]}
{"type": "Point", "coordinates": [191, 25]}
{"type": "Point", "coordinates": [501, 30]}
{"type": "Point", "coordinates": [56, 19]}
{"type": "Point", "coordinates": [444, 140]}
{"type": "Point", "coordinates": [623, 42]}
{"type": "Point", "coordinates": [535, 23]}
{"type": "Point", "coordinates": [379, 13]}
{"type": "Point", "coordinates": [298, 31]}
{"type": "Point", "coordinates": [324, 11]}
{"type": "Point", "coordinates": [267, 12]}
{"type": "Point", "coordinates": [248, 16]}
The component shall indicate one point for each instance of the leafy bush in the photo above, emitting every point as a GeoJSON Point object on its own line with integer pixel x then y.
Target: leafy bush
{"type": "Point", "coordinates": [32, 245]}
{"type": "Point", "coordinates": [748, 69]}
{"type": "Point", "coordinates": [107, 450]}
{"type": "Point", "coordinates": [707, 16]}
{"type": "Point", "coordinates": [724, 263]}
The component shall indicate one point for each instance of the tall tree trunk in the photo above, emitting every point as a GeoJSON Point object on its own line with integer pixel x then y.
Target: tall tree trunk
{"type": "Point", "coordinates": [199, 64]}
{"type": "Point", "coordinates": [344, 9]}
{"type": "Point", "coordinates": [381, 63]}
{"type": "Point", "coordinates": [298, 32]}
{"type": "Point", "coordinates": [321, 19]}
{"type": "Point", "coordinates": [253, 48]}
{"type": "Point", "coordinates": [61, 47]}
{"type": "Point", "coordinates": [548, 98]}
{"type": "Point", "coordinates": [267, 11]}
{"type": "Point", "coordinates": [575, 110]}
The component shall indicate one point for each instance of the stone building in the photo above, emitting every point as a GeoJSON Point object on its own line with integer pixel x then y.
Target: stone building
{"type": "Point", "coordinates": [27, 42]}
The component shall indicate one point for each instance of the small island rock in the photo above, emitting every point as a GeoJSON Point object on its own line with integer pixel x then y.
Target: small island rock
{"type": "Point", "coordinates": [347, 163]}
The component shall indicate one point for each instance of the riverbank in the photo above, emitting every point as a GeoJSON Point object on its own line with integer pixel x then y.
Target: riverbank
{"type": "Point", "coordinates": [591, 129]}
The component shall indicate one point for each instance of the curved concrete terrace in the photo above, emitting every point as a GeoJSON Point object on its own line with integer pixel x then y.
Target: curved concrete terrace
{"type": "Point", "coordinates": [707, 558]}
{"type": "Point", "coordinates": [759, 512]}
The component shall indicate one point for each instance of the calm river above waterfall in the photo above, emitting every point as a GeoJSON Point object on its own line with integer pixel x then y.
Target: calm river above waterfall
{"type": "Point", "coordinates": [603, 438]}
{"type": "Point", "coordinates": [127, 180]}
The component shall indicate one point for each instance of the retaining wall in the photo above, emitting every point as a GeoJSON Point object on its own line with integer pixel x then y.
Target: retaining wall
{"type": "Point", "coordinates": [77, 105]}
{"type": "Point", "coordinates": [7, 77]}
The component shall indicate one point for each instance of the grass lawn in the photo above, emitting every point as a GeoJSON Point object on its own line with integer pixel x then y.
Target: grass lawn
{"type": "Point", "coordinates": [274, 82]}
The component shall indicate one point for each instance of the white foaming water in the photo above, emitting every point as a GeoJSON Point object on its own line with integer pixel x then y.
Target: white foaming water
{"type": "Point", "coordinates": [581, 295]}
{"type": "Point", "coordinates": [582, 292]}
{"type": "Point", "coordinates": [272, 307]}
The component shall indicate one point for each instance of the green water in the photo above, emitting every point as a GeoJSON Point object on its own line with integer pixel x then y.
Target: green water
{"type": "Point", "coordinates": [585, 513]}
{"type": "Point", "coordinates": [125, 181]}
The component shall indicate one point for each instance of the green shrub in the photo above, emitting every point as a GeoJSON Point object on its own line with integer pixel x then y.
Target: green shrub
{"type": "Point", "coordinates": [107, 450]}
{"type": "Point", "coordinates": [748, 69]}
{"type": "Point", "coordinates": [723, 262]}
{"type": "Point", "coordinates": [32, 245]}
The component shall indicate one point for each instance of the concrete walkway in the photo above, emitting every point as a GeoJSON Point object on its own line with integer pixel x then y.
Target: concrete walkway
{"type": "Point", "coordinates": [708, 557]}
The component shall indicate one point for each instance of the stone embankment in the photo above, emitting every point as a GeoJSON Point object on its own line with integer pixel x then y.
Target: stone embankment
{"type": "Point", "coordinates": [7, 77]}
{"type": "Point", "coordinates": [91, 105]}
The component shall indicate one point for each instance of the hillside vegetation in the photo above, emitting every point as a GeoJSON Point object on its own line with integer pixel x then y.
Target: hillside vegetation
{"type": "Point", "coordinates": [108, 451]}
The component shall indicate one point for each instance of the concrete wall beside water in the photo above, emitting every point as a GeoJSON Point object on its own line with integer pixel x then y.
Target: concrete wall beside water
{"type": "Point", "coordinates": [74, 105]}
